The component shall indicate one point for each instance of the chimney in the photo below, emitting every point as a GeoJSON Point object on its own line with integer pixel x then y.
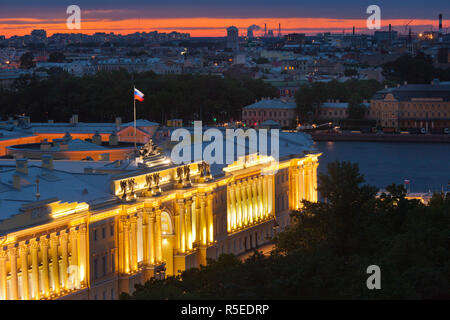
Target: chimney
{"type": "Point", "coordinates": [47, 161]}
{"type": "Point", "coordinates": [74, 119]}
{"type": "Point", "coordinates": [390, 34]}
{"type": "Point", "coordinates": [353, 30]}
{"type": "Point", "coordinates": [88, 170]}
{"type": "Point", "coordinates": [97, 138]}
{"type": "Point", "coordinates": [45, 145]}
{"type": "Point", "coordinates": [16, 182]}
{"type": "Point", "coordinates": [440, 23]}
{"type": "Point", "coordinates": [63, 147]}
{"type": "Point", "coordinates": [22, 165]}
{"type": "Point", "coordinates": [104, 157]}
{"type": "Point", "coordinates": [113, 139]}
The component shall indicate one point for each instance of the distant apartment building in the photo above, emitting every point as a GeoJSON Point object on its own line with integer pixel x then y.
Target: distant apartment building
{"type": "Point", "coordinates": [286, 88]}
{"type": "Point", "coordinates": [413, 106]}
{"type": "Point", "coordinates": [295, 38]}
{"type": "Point", "coordinates": [41, 34]}
{"type": "Point", "coordinates": [385, 36]}
{"type": "Point", "coordinates": [233, 38]}
{"type": "Point", "coordinates": [280, 110]}
{"type": "Point", "coordinates": [335, 111]}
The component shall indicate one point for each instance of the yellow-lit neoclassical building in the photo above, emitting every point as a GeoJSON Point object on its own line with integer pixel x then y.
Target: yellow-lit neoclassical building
{"type": "Point", "coordinates": [97, 233]}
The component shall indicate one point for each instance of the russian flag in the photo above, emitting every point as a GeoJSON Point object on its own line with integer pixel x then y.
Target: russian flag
{"type": "Point", "coordinates": [138, 95]}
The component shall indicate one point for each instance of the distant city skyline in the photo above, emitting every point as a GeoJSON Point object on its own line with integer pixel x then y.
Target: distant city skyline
{"type": "Point", "coordinates": [206, 18]}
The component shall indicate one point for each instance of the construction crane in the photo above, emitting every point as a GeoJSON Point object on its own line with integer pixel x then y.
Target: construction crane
{"type": "Point", "coordinates": [406, 25]}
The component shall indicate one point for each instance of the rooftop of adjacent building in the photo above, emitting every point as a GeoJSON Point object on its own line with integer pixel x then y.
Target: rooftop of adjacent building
{"type": "Point", "coordinates": [267, 103]}
{"type": "Point", "coordinates": [407, 92]}
{"type": "Point", "coordinates": [26, 127]}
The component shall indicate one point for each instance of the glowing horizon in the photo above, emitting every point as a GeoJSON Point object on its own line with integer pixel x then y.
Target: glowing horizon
{"type": "Point", "coordinates": [209, 27]}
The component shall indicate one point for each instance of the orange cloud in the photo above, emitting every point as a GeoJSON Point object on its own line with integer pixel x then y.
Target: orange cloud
{"type": "Point", "coordinates": [203, 27]}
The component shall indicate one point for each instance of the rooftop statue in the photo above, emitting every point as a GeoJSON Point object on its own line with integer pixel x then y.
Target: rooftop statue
{"type": "Point", "coordinates": [149, 149]}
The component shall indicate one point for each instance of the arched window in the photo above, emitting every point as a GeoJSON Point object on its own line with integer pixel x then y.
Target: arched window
{"type": "Point", "coordinates": [166, 223]}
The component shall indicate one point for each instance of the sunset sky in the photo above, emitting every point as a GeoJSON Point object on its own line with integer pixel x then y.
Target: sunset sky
{"type": "Point", "coordinates": [210, 18]}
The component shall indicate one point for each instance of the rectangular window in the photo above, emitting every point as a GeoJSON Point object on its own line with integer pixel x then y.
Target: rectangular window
{"type": "Point", "coordinates": [111, 230]}
{"type": "Point", "coordinates": [104, 233]}
{"type": "Point", "coordinates": [95, 269]}
{"type": "Point", "coordinates": [113, 264]}
{"type": "Point", "coordinates": [104, 265]}
{"type": "Point", "coordinates": [95, 234]}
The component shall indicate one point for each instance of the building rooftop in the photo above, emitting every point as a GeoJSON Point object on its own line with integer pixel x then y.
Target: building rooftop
{"type": "Point", "coordinates": [409, 92]}
{"type": "Point", "coordinates": [272, 104]}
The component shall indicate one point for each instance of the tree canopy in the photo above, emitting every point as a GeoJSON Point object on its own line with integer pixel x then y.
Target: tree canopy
{"type": "Point", "coordinates": [414, 69]}
{"type": "Point", "coordinates": [106, 95]}
{"type": "Point", "coordinates": [310, 96]}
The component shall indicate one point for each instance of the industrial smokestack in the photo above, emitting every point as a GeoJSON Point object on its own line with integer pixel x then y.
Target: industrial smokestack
{"type": "Point", "coordinates": [279, 30]}
{"type": "Point", "coordinates": [265, 29]}
{"type": "Point", "coordinates": [390, 34]}
{"type": "Point", "coordinates": [440, 27]}
{"type": "Point", "coordinates": [353, 30]}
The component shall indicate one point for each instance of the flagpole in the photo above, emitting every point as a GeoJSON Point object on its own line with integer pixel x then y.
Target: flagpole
{"type": "Point", "coordinates": [134, 103]}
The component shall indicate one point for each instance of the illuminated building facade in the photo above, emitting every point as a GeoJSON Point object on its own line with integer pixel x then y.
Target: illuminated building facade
{"type": "Point", "coordinates": [424, 106]}
{"type": "Point", "coordinates": [97, 244]}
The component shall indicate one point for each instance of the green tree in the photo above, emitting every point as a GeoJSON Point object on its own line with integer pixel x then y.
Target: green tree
{"type": "Point", "coordinates": [355, 108]}
{"type": "Point", "coordinates": [27, 60]}
{"type": "Point", "coordinates": [56, 57]}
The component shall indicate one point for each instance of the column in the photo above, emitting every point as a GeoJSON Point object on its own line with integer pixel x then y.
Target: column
{"type": "Point", "coordinates": [182, 229]}
{"type": "Point", "coordinates": [209, 216]}
{"type": "Point", "coordinates": [3, 257]}
{"type": "Point", "coordinates": [230, 205]}
{"type": "Point", "coordinates": [65, 259]}
{"type": "Point", "coordinates": [260, 198]}
{"type": "Point", "coordinates": [14, 281]}
{"type": "Point", "coordinates": [265, 195]}
{"type": "Point", "coordinates": [55, 264]}
{"type": "Point", "coordinates": [74, 256]}
{"type": "Point", "coordinates": [176, 229]}
{"type": "Point", "coordinates": [203, 235]}
{"type": "Point", "coordinates": [133, 243]}
{"type": "Point", "coordinates": [295, 188]}
{"type": "Point", "coordinates": [196, 220]}
{"type": "Point", "coordinates": [158, 237]}
{"type": "Point", "coordinates": [126, 247]}
{"type": "Point", "coordinates": [45, 268]}
{"type": "Point", "coordinates": [270, 211]}
{"type": "Point", "coordinates": [255, 199]}
{"type": "Point", "coordinates": [314, 176]}
{"type": "Point", "coordinates": [82, 258]}
{"type": "Point", "coordinates": [249, 204]}
{"type": "Point", "coordinates": [34, 247]}
{"type": "Point", "coordinates": [189, 240]}
{"type": "Point", "coordinates": [237, 214]}
{"type": "Point", "coordinates": [23, 252]}
{"type": "Point", "coordinates": [301, 184]}
{"type": "Point", "coordinates": [243, 202]}
{"type": "Point", "coordinates": [145, 238]}
{"type": "Point", "coordinates": [238, 218]}
{"type": "Point", "coordinates": [151, 237]}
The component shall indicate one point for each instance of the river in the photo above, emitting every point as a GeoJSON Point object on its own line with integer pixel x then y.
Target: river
{"type": "Point", "coordinates": [426, 165]}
